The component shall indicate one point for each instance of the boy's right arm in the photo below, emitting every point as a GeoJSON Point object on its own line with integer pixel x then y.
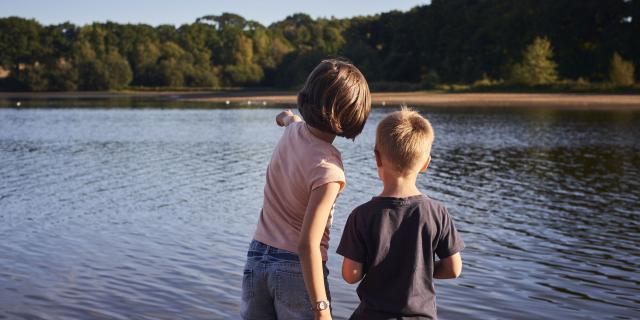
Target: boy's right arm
{"type": "Point", "coordinates": [286, 117]}
{"type": "Point", "coordinates": [448, 268]}
{"type": "Point", "coordinates": [448, 250]}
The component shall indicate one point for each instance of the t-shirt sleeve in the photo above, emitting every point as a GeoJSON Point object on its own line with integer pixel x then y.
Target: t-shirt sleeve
{"type": "Point", "coordinates": [450, 241]}
{"type": "Point", "coordinates": [325, 172]}
{"type": "Point", "coordinates": [352, 244]}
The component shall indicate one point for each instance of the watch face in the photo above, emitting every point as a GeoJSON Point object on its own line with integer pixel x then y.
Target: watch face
{"type": "Point", "coordinates": [323, 305]}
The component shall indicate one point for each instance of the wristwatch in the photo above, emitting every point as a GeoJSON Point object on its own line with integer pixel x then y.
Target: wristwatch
{"type": "Point", "coordinates": [320, 305]}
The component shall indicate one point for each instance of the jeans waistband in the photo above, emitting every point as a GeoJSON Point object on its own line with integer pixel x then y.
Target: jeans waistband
{"type": "Point", "coordinates": [258, 249]}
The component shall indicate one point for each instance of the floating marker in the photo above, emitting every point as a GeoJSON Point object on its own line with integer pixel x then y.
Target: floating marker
{"type": "Point", "coordinates": [18, 103]}
{"type": "Point", "coordinates": [249, 102]}
{"type": "Point", "coordinates": [264, 103]}
{"type": "Point", "coordinates": [227, 102]}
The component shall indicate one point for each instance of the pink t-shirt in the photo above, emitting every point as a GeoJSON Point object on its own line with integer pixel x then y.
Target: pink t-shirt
{"type": "Point", "coordinates": [300, 163]}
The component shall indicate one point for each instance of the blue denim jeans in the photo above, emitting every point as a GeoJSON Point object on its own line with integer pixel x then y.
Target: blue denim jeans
{"type": "Point", "coordinates": [273, 285]}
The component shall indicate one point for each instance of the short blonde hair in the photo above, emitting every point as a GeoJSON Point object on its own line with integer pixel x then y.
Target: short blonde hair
{"type": "Point", "coordinates": [404, 137]}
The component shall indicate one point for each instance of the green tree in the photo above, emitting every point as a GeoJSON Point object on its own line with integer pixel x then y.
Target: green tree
{"type": "Point", "coordinates": [20, 47]}
{"type": "Point", "coordinates": [58, 41]}
{"type": "Point", "coordinates": [172, 66]}
{"type": "Point", "coordinates": [199, 37]}
{"type": "Point", "coordinates": [19, 42]}
{"type": "Point", "coordinates": [34, 77]}
{"type": "Point", "coordinates": [62, 76]}
{"type": "Point", "coordinates": [244, 71]}
{"type": "Point", "coordinates": [236, 51]}
{"type": "Point", "coordinates": [621, 72]}
{"type": "Point", "coordinates": [54, 76]}
{"type": "Point", "coordinates": [118, 71]}
{"type": "Point", "coordinates": [202, 73]}
{"type": "Point", "coordinates": [100, 70]}
{"type": "Point", "coordinates": [143, 62]}
{"type": "Point", "coordinates": [537, 66]}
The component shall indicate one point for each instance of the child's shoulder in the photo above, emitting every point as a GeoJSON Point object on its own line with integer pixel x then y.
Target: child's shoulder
{"type": "Point", "coordinates": [292, 128]}
{"type": "Point", "coordinates": [433, 208]}
{"type": "Point", "coordinates": [433, 205]}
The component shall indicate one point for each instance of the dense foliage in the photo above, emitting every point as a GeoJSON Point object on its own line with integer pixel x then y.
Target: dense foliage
{"type": "Point", "coordinates": [527, 42]}
{"type": "Point", "coordinates": [621, 72]}
{"type": "Point", "coordinates": [537, 66]}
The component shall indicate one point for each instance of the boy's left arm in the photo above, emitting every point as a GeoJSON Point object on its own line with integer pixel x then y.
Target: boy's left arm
{"type": "Point", "coordinates": [351, 271]}
{"type": "Point", "coordinates": [448, 268]}
{"type": "Point", "coordinates": [448, 250]}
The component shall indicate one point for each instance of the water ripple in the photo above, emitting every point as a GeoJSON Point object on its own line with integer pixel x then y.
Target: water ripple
{"type": "Point", "coordinates": [147, 214]}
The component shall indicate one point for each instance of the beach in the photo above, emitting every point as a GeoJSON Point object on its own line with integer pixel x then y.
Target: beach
{"type": "Point", "coordinates": [439, 99]}
{"type": "Point", "coordinates": [588, 101]}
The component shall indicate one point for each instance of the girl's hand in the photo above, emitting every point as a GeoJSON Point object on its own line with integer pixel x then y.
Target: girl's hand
{"type": "Point", "coordinates": [285, 117]}
{"type": "Point", "coordinates": [323, 315]}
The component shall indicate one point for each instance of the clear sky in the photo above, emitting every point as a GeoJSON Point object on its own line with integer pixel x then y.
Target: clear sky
{"type": "Point", "coordinates": [186, 11]}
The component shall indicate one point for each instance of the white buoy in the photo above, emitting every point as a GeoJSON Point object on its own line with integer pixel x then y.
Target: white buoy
{"type": "Point", "coordinates": [249, 102]}
{"type": "Point", "coordinates": [18, 104]}
{"type": "Point", "coordinates": [227, 102]}
{"type": "Point", "coordinates": [384, 103]}
{"type": "Point", "coordinates": [264, 103]}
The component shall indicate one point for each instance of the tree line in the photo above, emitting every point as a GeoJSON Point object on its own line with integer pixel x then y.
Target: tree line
{"type": "Point", "coordinates": [524, 42]}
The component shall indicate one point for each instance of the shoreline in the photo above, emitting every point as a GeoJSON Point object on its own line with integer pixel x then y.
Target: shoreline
{"type": "Point", "coordinates": [435, 99]}
{"type": "Point", "coordinates": [562, 100]}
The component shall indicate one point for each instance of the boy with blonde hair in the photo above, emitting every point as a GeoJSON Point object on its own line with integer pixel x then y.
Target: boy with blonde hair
{"type": "Point", "coordinates": [391, 241]}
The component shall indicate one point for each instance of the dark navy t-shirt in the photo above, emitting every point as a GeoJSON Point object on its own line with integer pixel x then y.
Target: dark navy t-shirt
{"type": "Point", "coordinates": [396, 240]}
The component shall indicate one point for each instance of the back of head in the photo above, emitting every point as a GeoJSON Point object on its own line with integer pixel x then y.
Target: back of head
{"type": "Point", "coordinates": [404, 138]}
{"type": "Point", "coordinates": [335, 99]}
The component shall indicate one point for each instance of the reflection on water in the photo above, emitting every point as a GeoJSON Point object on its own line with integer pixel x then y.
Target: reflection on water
{"type": "Point", "coordinates": [147, 214]}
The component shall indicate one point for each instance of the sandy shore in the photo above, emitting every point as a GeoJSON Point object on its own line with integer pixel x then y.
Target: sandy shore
{"type": "Point", "coordinates": [590, 101]}
{"type": "Point", "coordinates": [566, 100]}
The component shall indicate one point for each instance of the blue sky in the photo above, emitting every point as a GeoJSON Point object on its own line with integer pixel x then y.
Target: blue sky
{"type": "Point", "coordinates": [186, 11]}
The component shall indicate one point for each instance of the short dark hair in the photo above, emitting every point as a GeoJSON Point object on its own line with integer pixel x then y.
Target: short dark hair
{"type": "Point", "coordinates": [335, 98]}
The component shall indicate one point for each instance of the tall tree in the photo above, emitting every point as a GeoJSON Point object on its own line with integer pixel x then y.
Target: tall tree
{"type": "Point", "coordinates": [621, 72]}
{"type": "Point", "coordinates": [537, 66]}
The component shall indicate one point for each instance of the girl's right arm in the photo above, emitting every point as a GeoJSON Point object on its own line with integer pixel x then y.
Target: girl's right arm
{"type": "Point", "coordinates": [313, 226]}
{"type": "Point", "coordinates": [286, 117]}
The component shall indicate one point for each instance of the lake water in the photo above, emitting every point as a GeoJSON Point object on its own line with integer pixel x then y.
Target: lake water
{"type": "Point", "coordinates": [147, 213]}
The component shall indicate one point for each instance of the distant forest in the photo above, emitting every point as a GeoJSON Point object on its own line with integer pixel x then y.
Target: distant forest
{"type": "Point", "coordinates": [445, 42]}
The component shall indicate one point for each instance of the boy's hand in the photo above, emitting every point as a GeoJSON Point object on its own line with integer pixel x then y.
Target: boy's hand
{"type": "Point", "coordinates": [285, 117]}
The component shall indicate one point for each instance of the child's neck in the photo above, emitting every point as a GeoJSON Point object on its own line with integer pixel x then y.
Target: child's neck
{"type": "Point", "coordinates": [399, 186]}
{"type": "Point", "coordinates": [328, 137]}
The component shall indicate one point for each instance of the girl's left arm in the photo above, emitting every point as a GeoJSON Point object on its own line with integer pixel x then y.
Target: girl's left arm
{"type": "Point", "coordinates": [315, 221]}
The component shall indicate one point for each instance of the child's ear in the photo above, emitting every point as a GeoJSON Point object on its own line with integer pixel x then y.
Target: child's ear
{"type": "Point", "coordinates": [378, 159]}
{"type": "Point", "coordinates": [426, 164]}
